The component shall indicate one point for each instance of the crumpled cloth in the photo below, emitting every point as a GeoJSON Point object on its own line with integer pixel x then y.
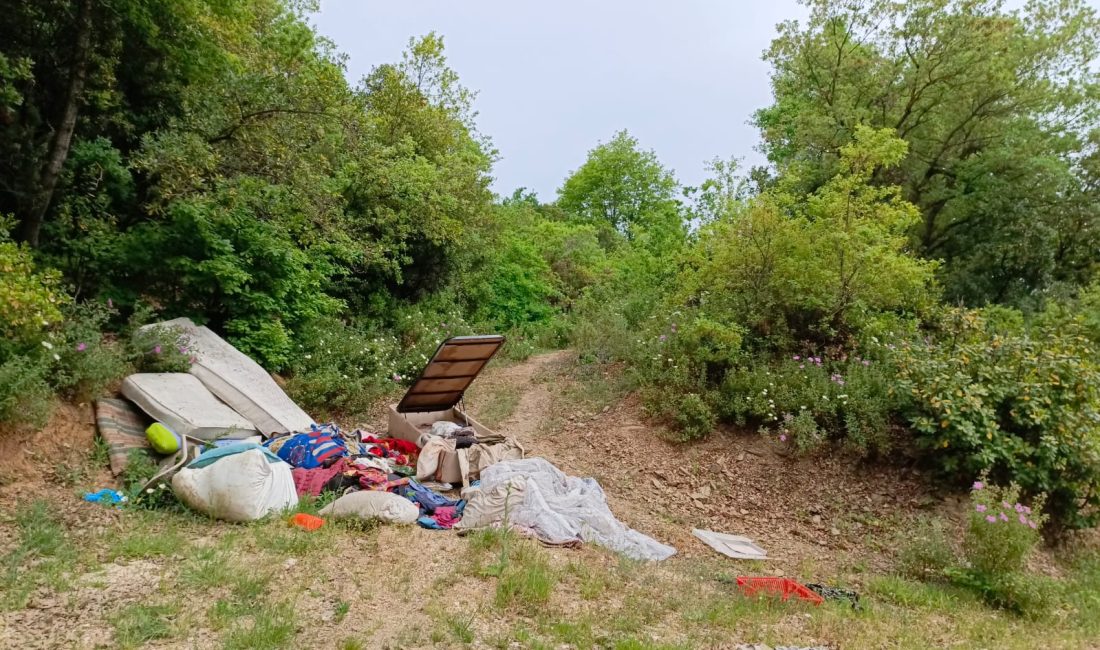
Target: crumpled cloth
{"type": "Point", "coordinates": [559, 509]}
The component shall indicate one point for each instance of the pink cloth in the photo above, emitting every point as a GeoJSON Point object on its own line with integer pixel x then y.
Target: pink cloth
{"type": "Point", "coordinates": [445, 516]}
{"type": "Point", "coordinates": [312, 481]}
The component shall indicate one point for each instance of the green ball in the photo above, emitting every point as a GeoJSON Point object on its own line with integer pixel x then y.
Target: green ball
{"type": "Point", "coordinates": [162, 439]}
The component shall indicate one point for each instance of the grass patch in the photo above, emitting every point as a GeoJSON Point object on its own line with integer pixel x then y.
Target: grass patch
{"type": "Point", "coordinates": [43, 556]}
{"type": "Point", "coordinates": [137, 625]}
{"type": "Point", "coordinates": [526, 579]}
{"type": "Point", "coordinates": [272, 626]}
{"type": "Point", "coordinates": [498, 406]}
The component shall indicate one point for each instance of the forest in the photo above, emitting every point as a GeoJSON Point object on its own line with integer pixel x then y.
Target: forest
{"type": "Point", "coordinates": [913, 275]}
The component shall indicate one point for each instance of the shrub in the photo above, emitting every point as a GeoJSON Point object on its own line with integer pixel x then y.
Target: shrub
{"type": "Point", "coordinates": [806, 398]}
{"type": "Point", "coordinates": [1024, 408]}
{"type": "Point", "coordinates": [927, 553]}
{"type": "Point", "coordinates": [89, 362]}
{"type": "Point", "coordinates": [690, 412]}
{"type": "Point", "coordinates": [30, 298]}
{"type": "Point", "coordinates": [1001, 531]}
{"type": "Point", "coordinates": [340, 369]}
{"type": "Point", "coordinates": [26, 398]}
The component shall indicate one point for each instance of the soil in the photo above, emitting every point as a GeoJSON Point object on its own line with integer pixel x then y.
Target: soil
{"type": "Point", "coordinates": [818, 517]}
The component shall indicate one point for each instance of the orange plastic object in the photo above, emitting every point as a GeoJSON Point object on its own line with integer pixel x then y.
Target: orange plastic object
{"type": "Point", "coordinates": [782, 587]}
{"type": "Point", "coordinates": [309, 522]}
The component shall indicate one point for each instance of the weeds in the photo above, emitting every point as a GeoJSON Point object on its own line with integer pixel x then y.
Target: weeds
{"type": "Point", "coordinates": [136, 625]}
{"type": "Point", "coordinates": [43, 556]}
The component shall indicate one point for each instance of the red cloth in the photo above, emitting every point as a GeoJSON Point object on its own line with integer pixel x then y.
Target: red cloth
{"type": "Point", "coordinates": [445, 516]}
{"type": "Point", "coordinates": [312, 481]}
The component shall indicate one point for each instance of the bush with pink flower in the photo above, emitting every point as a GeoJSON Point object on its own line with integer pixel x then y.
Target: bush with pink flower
{"type": "Point", "coordinates": [1001, 531]}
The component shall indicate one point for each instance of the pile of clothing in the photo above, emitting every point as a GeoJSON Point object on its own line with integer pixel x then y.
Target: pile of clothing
{"type": "Point", "coordinates": [324, 458]}
{"type": "Point", "coordinates": [474, 450]}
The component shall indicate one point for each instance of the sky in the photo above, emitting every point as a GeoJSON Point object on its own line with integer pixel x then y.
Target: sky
{"type": "Point", "coordinates": [555, 78]}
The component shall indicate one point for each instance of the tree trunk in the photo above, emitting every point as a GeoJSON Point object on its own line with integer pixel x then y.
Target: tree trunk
{"type": "Point", "coordinates": [62, 138]}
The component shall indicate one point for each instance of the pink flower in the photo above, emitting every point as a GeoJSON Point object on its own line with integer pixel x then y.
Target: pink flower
{"type": "Point", "coordinates": [396, 377]}
{"type": "Point", "coordinates": [183, 350]}
{"type": "Point", "coordinates": [1004, 504]}
{"type": "Point", "coordinates": [662, 337]}
{"type": "Point", "coordinates": [80, 347]}
{"type": "Point", "coordinates": [979, 508]}
{"type": "Point", "coordinates": [866, 362]}
{"type": "Point", "coordinates": [1031, 523]}
{"type": "Point", "coordinates": [156, 350]}
{"type": "Point", "coordinates": [978, 485]}
{"type": "Point", "coordinates": [797, 358]}
{"type": "Point", "coordinates": [1027, 510]}
{"type": "Point", "coordinates": [801, 365]}
{"type": "Point", "coordinates": [1004, 517]}
{"type": "Point", "coordinates": [991, 519]}
{"type": "Point", "coordinates": [1023, 519]}
{"type": "Point", "coordinates": [782, 437]}
{"type": "Point", "coordinates": [1019, 507]}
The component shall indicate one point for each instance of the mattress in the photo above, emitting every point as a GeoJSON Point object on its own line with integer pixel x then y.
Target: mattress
{"type": "Point", "coordinates": [180, 402]}
{"type": "Point", "coordinates": [239, 381]}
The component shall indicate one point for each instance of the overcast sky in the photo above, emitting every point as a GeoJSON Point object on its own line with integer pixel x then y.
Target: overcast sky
{"type": "Point", "coordinates": [556, 77]}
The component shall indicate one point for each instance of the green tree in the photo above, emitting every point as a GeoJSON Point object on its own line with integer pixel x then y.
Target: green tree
{"type": "Point", "coordinates": [996, 106]}
{"type": "Point", "coordinates": [793, 267]}
{"type": "Point", "coordinates": [625, 188]}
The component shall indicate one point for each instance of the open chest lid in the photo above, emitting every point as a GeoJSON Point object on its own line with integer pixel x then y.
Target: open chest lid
{"type": "Point", "coordinates": [454, 366]}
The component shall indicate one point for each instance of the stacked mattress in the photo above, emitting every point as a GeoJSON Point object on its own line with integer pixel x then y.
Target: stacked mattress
{"type": "Point", "coordinates": [225, 395]}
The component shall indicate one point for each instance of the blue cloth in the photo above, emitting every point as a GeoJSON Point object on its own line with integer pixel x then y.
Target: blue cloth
{"type": "Point", "coordinates": [426, 498]}
{"type": "Point", "coordinates": [211, 455]}
{"type": "Point", "coordinates": [429, 523]}
{"type": "Point", "coordinates": [318, 447]}
{"type": "Point", "coordinates": [104, 496]}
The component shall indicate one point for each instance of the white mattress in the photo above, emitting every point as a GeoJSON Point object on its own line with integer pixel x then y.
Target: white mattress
{"type": "Point", "coordinates": [239, 381]}
{"type": "Point", "coordinates": [180, 402]}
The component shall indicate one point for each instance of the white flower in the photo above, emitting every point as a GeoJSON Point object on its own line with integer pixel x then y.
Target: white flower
{"type": "Point", "coordinates": [148, 490]}
{"type": "Point", "coordinates": [309, 356]}
{"type": "Point", "coordinates": [55, 357]}
{"type": "Point", "coordinates": [825, 397]}
{"type": "Point", "coordinates": [47, 345]}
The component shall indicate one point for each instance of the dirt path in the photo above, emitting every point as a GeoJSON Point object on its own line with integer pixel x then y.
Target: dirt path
{"type": "Point", "coordinates": [406, 587]}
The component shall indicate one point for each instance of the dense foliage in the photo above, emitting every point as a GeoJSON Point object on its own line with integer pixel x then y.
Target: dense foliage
{"type": "Point", "coordinates": [914, 273]}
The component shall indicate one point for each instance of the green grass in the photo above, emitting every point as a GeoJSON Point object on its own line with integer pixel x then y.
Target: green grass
{"type": "Point", "coordinates": [136, 625]}
{"type": "Point", "coordinates": [341, 610]}
{"type": "Point", "coordinates": [42, 556]}
{"type": "Point", "coordinates": [526, 580]}
{"type": "Point", "coordinates": [499, 406]}
{"type": "Point", "coordinates": [272, 626]}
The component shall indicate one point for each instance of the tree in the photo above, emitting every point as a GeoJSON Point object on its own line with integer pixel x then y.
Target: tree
{"type": "Point", "coordinates": [794, 267]}
{"type": "Point", "coordinates": [625, 188]}
{"type": "Point", "coordinates": [995, 105]}
{"type": "Point", "coordinates": [120, 73]}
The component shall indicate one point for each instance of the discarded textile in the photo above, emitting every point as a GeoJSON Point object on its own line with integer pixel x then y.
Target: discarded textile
{"type": "Point", "coordinates": [122, 427]}
{"type": "Point", "coordinates": [443, 518]}
{"type": "Point", "coordinates": [488, 507]}
{"type": "Point", "coordinates": [319, 446]}
{"type": "Point", "coordinates": [105, 496]}
{"type": "Point", "coordinates": [734, 546]}
{"type": "Point", "coordinates": [559, 508]}
{"type": "Point", "coordinates": [209, 456]}
{"type": "Point", "coordinates": [431, 456]}
{"type": "Point", "coordinates": [386, 506]}
{"type": "Point", "coordinates": [428, 500]}
{"type": "Point", "coordinates": [314, 481]}
{"type": "Point", "coordinates": [241, 486]}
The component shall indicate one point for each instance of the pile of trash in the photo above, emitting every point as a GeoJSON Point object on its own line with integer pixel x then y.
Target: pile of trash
{"type": "Point", "coordinates": [235, 447]}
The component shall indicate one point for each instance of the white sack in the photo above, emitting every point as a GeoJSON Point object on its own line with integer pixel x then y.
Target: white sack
{"type": "Point", "coordinates": [372, 504]}
{"type": "Point", "coordinates": [239, 487]}
{"type": "Point", "coordinates": [559, 508]}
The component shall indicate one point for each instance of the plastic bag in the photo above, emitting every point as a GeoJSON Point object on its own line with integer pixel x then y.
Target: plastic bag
{"type": "Point", "coordinates": [243, 486]}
